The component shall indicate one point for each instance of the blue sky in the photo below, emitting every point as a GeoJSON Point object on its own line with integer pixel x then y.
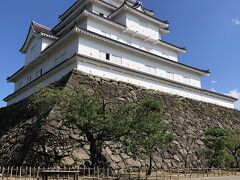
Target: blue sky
{"type": "Point", "coordinates": [210, 29]}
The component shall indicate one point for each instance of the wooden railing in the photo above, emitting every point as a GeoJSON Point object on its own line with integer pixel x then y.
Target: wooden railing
{"type": "Point", "coordinates": [75, 173]}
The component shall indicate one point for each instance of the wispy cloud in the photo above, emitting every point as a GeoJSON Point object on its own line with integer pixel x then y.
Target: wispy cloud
{"type": "Point", "coordinates": [235, 93]}
{"type": "Point", "coordinates": [214, 82]}
{"type": "Point", "coordinates": [236, 21]}
{"type": "Point", "coordinates": [213, 89]}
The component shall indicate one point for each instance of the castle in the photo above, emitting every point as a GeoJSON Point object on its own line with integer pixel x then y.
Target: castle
{"type": "Point", "coordinates": [115, 39]}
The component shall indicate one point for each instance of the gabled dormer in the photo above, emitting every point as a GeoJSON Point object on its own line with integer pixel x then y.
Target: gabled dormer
{"type": "Point", "coordinates": [38, 39]}
{"type": "Point", "coordinates": [135, 3]}
{"type": "Point", "coordinates": [111, 4]}
{"type": "Point", "coordinates": [139, 23]}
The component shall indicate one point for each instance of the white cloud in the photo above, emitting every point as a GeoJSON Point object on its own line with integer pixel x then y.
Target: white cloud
{"type": "Point", "coordinates": [236, 21]}
{"type": "Point", "coordinates": [235, 93]}
{"type": "Point", "coordinates": [213, 89]}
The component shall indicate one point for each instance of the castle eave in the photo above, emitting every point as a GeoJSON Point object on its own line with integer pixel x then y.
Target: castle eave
{"type": "Point", "coordinates": [64, 21]}
{"type": "Point", "coordinates": [40, 78]}
{"type": "Point", "coordinates": [86, 32]}
{"type": "Point", "coordinates": [184, 66]}
{"type": "Point", "coordinates": [126, 7]}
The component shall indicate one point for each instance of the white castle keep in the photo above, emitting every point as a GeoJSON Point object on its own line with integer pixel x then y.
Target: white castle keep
{"type": "Point", "coordinates": [115, 39]}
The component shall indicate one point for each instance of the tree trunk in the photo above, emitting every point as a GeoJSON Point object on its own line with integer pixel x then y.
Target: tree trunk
{"type": "Point", "coordinates": [236, 159]}
{"type": "Point", "coordinates": [96, 152]}
{"type": "Point", "coordinates": [149, 172]}
{"type": "Point", "coordinates": [95, 149]}
{"type": "Point", "coordinates": [186, 161]}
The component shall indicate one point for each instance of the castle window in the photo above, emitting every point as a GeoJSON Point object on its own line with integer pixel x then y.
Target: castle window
{"type": "Point", "coordinates": [39, 73]}
{"type": "Point", "coordinates": [107, 56]}
{"type": "Point", "coordinates": [186, 80]}
{"type": "Point", "coordinates": [101, 14]}
{"type": "Point", "coordinates": [116, 59]}
{"type": "Point", "coordinates": [150, 69]}
{"type": "Point", "coordinates": [29, 79]}
{"type": "Point", "coordinates": [106, 34]}
{"type": "Point", "coordinates": [104, 55]}
{"type": "Point", "coordinates": [170, 75]}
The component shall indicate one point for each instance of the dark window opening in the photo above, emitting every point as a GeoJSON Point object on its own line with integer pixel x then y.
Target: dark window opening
{"type": "Point", "coordinates": [29, 79]}
{"type": "Point", "coordinates": [107, 56]}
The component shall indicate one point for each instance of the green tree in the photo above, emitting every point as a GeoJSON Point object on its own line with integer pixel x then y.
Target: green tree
{"type": "Point", "coordinates": [150, 132]}
{"type": "Point", "coordinates": [103, 120]}
{"type": "Point", "coordinates": [216, 140]}
{"type": "Point", "coordinates": [99, 120]}
{"type": "Point", "coordinates": [43, 100]}
{"type": "Point", "coordinates": [233, 148]}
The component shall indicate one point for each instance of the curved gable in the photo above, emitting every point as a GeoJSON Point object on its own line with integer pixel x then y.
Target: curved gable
{"type": "Point", "coordinates": [36, 30]}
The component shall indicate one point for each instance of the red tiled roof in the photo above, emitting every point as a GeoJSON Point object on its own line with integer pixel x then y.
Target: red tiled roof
{"type": "Point", "coordinates": [38, 28]}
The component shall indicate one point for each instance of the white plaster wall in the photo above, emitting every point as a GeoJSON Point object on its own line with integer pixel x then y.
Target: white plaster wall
{"type": "Point", "coordinates": [121, 19]}
{"type": "Point", "coordinates": [120, 75]}
{"type": "Point", "coordinates": [92, 48]}
{"type": "Point", "coordinates": [164, 52]}
{"type": "Point", "coordinates": [34, 49]}
{"type": "Point", "coordinates": [134, 23]}
{"type": "Point", "coordinates": [100, 28]}
{"type": "Point", "coordinates": [40, 44]}
{"type": "Point", "coordinates": [67, 50]}
{"type": "Point", "coordinates": [49, 80]}
{"type": "Point", "coordinates": [96, 8]}
{"type": "Point", "coordinates": [46, 42]}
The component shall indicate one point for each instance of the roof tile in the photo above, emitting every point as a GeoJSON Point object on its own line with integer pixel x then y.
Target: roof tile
{"type": "Point", "coordinates": [38, 28]}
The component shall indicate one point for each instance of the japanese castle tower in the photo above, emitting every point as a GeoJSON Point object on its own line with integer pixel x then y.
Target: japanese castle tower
{"type": "Point", "coordinates": [115, 39]}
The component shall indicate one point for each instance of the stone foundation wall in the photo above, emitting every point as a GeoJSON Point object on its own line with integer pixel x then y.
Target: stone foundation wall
{"type": "Point", "coordinates": [26, 140]}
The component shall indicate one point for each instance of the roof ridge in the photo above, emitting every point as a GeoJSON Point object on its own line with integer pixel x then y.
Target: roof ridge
{"type": "Point", "coordinates": [42, 26]}
{"type": "Point", "coordinates": [137, 2]}
{"type": "Point", "coordinates": [126, 3]}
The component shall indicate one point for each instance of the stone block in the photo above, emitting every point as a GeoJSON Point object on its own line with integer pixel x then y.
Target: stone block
{"type": "Point", "coordinates": [80, 154]}
{"type": "Point", "coordinates": [67, 161]}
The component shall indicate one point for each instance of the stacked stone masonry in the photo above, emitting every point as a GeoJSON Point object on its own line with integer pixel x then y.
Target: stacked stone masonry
{"type": "Point", "coordinates": [26, 140]}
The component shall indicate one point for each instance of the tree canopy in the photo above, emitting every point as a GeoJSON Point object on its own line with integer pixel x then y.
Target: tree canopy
{"type": "Point", "coordinates": [222, 148]}
{"type": "Point", "coordinates": [150, 132]}
{"type": "Point", "coordinates": [139, 126]}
